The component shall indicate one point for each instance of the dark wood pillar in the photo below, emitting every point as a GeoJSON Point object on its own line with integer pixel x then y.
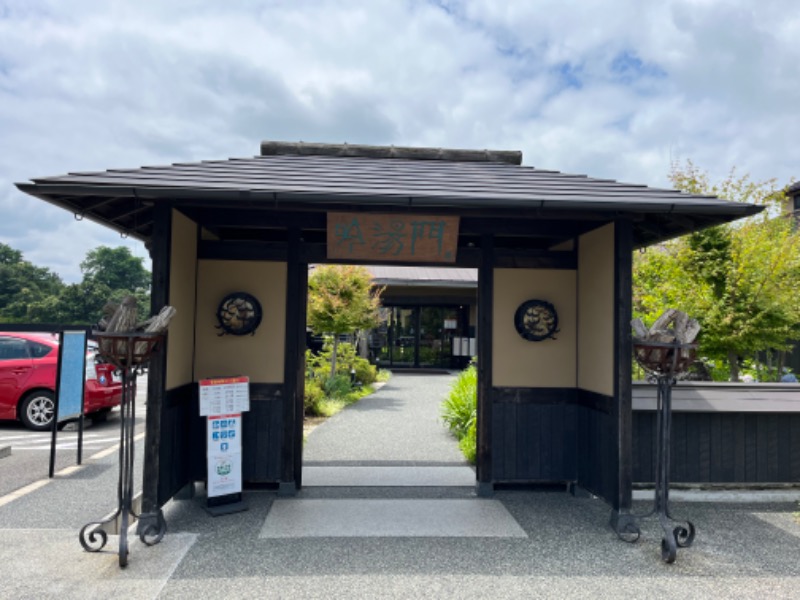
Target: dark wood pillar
{"type": "Point", "coordinates": [485, 310]}
{"type": "Point", "coordinates": [301, 299]}
{"type": "Point", "coordinates": [160, 252]}
{"type": "Point", "coordinates": [623, 411]}
{"type": "Point", "coordinates": [294, 348]}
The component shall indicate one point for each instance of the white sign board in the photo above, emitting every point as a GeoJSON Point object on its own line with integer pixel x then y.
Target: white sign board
{"type": "Point", "coordinates": [224, 454]}
{"type": "Point", "coordinates": [224, 395]}
{"type": "Point", "coordinates": [222, 402]}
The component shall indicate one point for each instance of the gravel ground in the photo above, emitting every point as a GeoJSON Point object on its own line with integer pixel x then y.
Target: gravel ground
{"type": "Point", "coordinates": [741, 550]}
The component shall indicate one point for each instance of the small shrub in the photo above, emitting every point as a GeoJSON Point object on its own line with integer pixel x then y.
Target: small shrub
{"type": "Point", "coordinates": [459, 409]}
{"type": "Point", "coordinates": [365, 373]}
{"type": "Point", "coordinates": [469, 443]}
{"type": "Point", "coordinates": [312, 397]}
{"type": "Point", "coordinates": [347, 362]}
{"type": "Point", "coordinates": [337, 387]}
{"type": "Point", "coordinates": [325, 396]}
{"type": "Point", "coordinates": [330, 406]}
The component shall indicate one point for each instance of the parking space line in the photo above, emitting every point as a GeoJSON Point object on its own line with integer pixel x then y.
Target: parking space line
{"type": "Point", "coordinates": [32, 487]}
{"type": "Point", "coordinates": [68, 470]}
{"type": "Point", "coordinates": [17, 437]}
{"type": "Point", "coordinates": [115, 448]}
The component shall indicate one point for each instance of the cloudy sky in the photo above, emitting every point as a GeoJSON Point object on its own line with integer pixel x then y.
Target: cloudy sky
{"type": "Point", "coordinates": [612, 88]}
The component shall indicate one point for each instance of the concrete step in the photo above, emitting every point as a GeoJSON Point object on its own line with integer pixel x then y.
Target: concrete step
{"type": "Point", "coordinates": [370, 476]}
{"type": "Point", "coordinates": [394, 518]}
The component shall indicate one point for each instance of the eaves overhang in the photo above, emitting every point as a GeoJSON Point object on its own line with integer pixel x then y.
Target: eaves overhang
{"type": "Point", "coordinates": [123, 199]}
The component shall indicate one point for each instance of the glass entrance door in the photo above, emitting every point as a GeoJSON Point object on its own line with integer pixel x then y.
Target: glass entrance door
{"type": "Point", "coordinates": [403, 336]}
{"type": "Point", "coordinates": [419, 336]}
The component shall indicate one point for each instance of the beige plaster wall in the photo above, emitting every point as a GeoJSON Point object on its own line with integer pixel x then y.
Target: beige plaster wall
{"type": "Point", "coordinates": [182, 284]}
{"type": "Point", "coordinates": [517, 362]}
{"type": "Point", "coordinates": [596, 311]}
{"type": "Point", "coordinates": [259, 356]}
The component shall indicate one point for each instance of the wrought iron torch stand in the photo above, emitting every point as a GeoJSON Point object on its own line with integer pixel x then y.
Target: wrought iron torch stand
{"type": "Point", "coordinates": [127, 352]}
{"type": "Point", "coordinates": [664, 361]}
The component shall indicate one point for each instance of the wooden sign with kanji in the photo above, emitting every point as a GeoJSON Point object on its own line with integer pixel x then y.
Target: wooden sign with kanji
{"type": "Point", "coordinates": [392, 237]}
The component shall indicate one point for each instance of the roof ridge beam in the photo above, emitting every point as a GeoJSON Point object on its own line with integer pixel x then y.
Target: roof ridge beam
{"type": "Point", "coordinates": [272, 148]}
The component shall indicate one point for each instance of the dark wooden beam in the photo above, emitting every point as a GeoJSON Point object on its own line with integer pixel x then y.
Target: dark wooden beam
{"type": "Point", "coordinates": [160, 253]}
{"type": "Point", "coordinates": [295, 321]}
{"type": "Point", "coordinates": [509, 258]}
{"type": "Point", "coordinates": [140, 208]}
{"type": "Point", "coordinates": [301, 300]}
{"type": "Point", "coordinates": [623, 312]}
{"type": "Point", "coordinates": [253, 218]}
{"type": "Point", "coordinates": [316, 253]}
{"type": "Point", "coordinates": [411, 301]}
{"type": "Point", "coordinates": [485, 314]}
{"type": "Point", "coordinates": [525, 227]}
{"type": "Point", "coordinates": [88, 207]}
{"type": "Point", "coordinates": [270, 148]}
{"type": "Point", "coordinates": [268, 218]}
{"type": "Point", "coordinates": [241, 250]}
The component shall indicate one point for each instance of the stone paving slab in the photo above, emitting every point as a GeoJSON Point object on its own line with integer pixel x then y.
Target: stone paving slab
{"type": "Point", "coordinates": [47, 563]}
{"type": "Point", "coordinates": [729, 496]}
{"type": "Point", "coordinates": [299, 518]}
{"type": "Point", "coordinates": [388, 477]}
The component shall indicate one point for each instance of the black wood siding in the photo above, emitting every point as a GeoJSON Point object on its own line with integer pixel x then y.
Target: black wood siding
{"type": "Point", "coordinates": [554, 435]}
{"type": "Point", "coordinates": [263, 434]}
{"type": "Point", "coordinates": [719, 447]}
{"type": "Point", "coordinates": [533, 442]}
{"type": "Point", "coordinates": [597, 445]}
{"type": "Point", "coordinates": [183, 438]}
{"type": "Point", "coordinates": [176, 448]}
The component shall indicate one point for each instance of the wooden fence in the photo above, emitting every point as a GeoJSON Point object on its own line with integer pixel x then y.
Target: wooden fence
{"type": "Point", "coordinates": [722, 433]}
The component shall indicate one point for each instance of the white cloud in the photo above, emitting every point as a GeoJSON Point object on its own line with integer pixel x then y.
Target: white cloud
{"type": "Point", "coordinates": [612, 89]}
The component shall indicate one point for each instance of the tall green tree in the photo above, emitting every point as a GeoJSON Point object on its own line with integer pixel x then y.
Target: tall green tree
{"type": "Point", "coordinates": [116, 268]}
{"type": "Point", "coordinates": [341, 300]}
{"type": "Point", "coordinates": [31, 294]}
{"type": "Point", "coordinates": [77, 304]}
{"type": "Point", "coordinates": [22, 284]}
{"type": "Point", "coordinates": [740, 280]}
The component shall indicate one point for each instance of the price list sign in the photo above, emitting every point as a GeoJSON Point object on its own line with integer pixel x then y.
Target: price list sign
{"type": "Point", "coordinates": [222, 402]}
{"type": "Point", "coordinates": [224, 454]}
{"type": "Point", "coordinates": [224, 395]}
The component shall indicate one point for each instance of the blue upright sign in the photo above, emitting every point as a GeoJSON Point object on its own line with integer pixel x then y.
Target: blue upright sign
{"type": "Point", "coordinates": [72, 368]}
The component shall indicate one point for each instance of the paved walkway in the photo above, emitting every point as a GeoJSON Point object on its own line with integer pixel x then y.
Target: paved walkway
{"type": "Point", "coordinates": [398, 425]}
{"type": "Point", "coordinates": [565, 549]}
{"type": "Point", "coordinates": [393, 439]}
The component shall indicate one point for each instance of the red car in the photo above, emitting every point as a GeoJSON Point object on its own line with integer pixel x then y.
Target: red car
{"type": "Point", "coordinates": [28, 367]}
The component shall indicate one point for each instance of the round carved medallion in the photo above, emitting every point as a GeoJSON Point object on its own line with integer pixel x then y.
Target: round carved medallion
{"type": "Point", "coordinates": [536, 320]}
{"type": "Point", "coordinates": [239, 313]}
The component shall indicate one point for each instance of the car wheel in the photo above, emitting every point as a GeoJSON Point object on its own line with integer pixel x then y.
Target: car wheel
{"type": "Point", "coordinates": [100, 416]}
{"type": "Point", "coordinates": [38, 410]}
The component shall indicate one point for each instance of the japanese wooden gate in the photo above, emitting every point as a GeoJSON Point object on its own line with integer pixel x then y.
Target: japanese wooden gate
{"type": "Point", "coordinates": [554, 410]}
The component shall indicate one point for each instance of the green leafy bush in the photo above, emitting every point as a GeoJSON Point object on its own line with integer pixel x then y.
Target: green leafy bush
{"type": "Point", "coordinates": [313, 397]}
{"type": "Point", "coordinates": [347, 361]}
{"type": "Point", "coordinates": [326, 395]}
{"type": "Point", "coordinates": [469, 443]}
{"type": "Point", "coordinates": [460, 410]}
{"type": "Point", "coordinates": [338, 386]}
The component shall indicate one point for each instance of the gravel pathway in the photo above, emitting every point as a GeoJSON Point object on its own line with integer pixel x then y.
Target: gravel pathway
{"type": "Point", "coordinates": [399, 424]}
